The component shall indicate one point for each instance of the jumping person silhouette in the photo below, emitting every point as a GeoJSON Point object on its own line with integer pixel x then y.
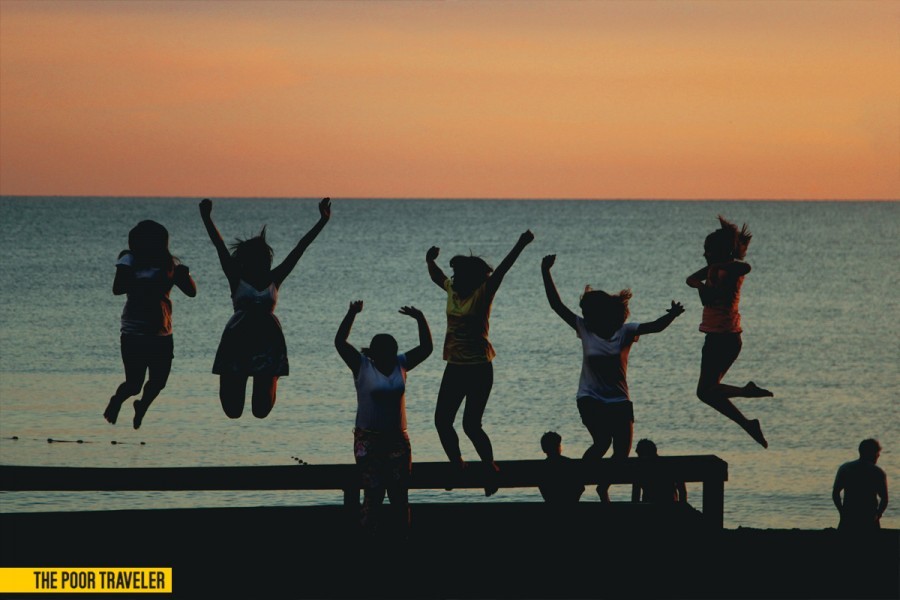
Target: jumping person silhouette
{"type": "Point", "coordinates": [469, 374]}
{"type": "Point", "coordinates": [719, 285]}
{"type": "Point", "coordinates": [253, 344]}
{"type": "Point", "coordinates": [606, 339]}
{"type": "Point", "coordinates": [146, 273]}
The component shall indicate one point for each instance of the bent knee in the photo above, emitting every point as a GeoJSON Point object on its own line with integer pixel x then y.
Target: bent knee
{"type": "Point", "coordinates": [472, 428]}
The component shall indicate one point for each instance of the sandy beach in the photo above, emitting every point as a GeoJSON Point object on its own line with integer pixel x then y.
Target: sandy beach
{"type": "Point", "coordinates": [510, 550]}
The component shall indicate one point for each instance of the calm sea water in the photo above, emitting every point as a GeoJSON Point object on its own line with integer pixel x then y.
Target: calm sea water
{"type": "Point", "coordinates": [820, 313]}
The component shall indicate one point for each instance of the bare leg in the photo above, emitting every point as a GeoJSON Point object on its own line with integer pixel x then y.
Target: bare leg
{"type": "Point", "coordinates": [719, 353]}
{"type": "Point", "coordinates": [159, 370]}
{"type": "Point", "coordinates": [264, 389]}
{"type": "Point", "coordinates": [134, 359]}
{"type": "Point", "coordinates": [232, 392]}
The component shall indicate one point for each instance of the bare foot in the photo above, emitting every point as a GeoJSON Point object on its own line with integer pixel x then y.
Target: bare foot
{"type": "Point", "coordinates": [751, 390]}
{"type": "Point", "coordinates": [756, 433]}
{"type": "Point", "coordinates": [111, 413]}
{"type": "Point", "coordinates": [139, 411]}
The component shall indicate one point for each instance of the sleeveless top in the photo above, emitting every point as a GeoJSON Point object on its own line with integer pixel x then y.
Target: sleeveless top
{"type": "Point", "coordinates": [253, 342]}
{"type": "Point", "coordinates": [381, 399]}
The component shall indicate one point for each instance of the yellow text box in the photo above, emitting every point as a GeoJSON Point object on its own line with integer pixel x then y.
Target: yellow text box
{"type": "Point", "coordinates": [74, 580]}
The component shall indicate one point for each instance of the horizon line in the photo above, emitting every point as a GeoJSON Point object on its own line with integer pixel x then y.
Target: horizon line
{"type": "Point", "coordinates": [469, 198]}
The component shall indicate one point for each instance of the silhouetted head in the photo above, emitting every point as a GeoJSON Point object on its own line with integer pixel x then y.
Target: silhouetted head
{"type": "Point", "coordinates": [870, 450]}
{"type": "Point", "coordinates": [253, 255]}
{"type": "Point", "coordinates": [646, 449]}
{"type": "Point", "coordinates": [149, 243]}
{"type": "Point", "coordinates": [382, 350]}
{"type": "Point", "coordinates": [604, 313]}
{"type": "Point", "coordinates": [551, 443]}
{"type": "Point", "coordinates": [727, 242]}
{"type": "Point", "coordinates": [469, 272]}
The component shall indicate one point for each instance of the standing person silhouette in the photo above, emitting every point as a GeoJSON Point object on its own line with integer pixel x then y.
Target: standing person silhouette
{"type": "Point", "coordinates": [253, 344]}
{"type": "Point", "coordinates": [719, 285]}
{"type": "Point", "coordinates": [469, 374]}
{"type": "Point", "coordinates": [146, 273]}
{"type": "Point", "coordinates": [380, 441]}
{"type": "Point", "coordinates": [606, 338]}
{"type": "Point", "coordinates": [865, 490]}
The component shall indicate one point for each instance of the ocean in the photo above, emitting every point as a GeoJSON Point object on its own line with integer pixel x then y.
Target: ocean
{"type": "Point", "coordinates": [819, 309]}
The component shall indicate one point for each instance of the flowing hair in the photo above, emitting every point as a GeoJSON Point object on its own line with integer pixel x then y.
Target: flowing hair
{"type": "Point", "coordinates": [253, 250]}
{"type": "Point", "coordinates": [730, 240]}
{"type": "Point", "coordinates": [597, 306]}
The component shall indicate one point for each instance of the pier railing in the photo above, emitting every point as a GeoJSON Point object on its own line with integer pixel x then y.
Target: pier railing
{"type": "Point", "coordinates": [709, 470]}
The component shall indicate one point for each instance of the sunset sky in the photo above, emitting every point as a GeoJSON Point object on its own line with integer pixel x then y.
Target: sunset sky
{"type": "Point", "coordinates": [505, 99]}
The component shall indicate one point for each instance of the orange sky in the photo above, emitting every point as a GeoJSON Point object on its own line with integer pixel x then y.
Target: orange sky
{"type": "Point", "coordinates": [551, 99]}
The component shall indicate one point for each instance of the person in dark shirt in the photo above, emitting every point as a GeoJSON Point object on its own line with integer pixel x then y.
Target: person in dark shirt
{"type": "Point", "coordinates": [561, 483]}
{"type": "Point", "coordinates": [656, 491]}
{"type": "Point", "coordinates": [865, 490]}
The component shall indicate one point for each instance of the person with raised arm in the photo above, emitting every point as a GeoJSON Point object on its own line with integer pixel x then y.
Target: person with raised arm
{"type": "Point", "coordinates": [469, 373]}
{"type": "Point", "coordinates": [604, 403]}
{"type": "Point", "coordinates": [381, 443]}
{"type": "Point", "coordinates": [253, 344]}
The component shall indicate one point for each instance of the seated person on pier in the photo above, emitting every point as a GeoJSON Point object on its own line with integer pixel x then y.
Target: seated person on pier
{"type": "Point", "coordinates": [658, 491]}
{"type": "Point", "coordinates": [560, 481]}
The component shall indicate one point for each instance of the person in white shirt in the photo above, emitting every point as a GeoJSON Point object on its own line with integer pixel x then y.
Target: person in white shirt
{"type": "Point", "coordinates": [381, 443]}
{"type": "Point", "coordinates": [606, 338]}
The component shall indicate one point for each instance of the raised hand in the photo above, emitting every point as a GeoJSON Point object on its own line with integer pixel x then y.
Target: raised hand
{"type": "Point", "coordinates": [325, 208]}
{"type": "Point", "coordinates": [432, 253]}
{"type": "Point", "coordinates": [526, 238]}
{"type": "Point", "coordinates": [205, 207]}
{"type": "Point", "coordinates": [355, 307]}
{"type": "Point", "coordinates": [676, 309]}
{"type": "Point", "coordinates": [411, 311]}
{"type": "Point", "coordinates": [548, 262]}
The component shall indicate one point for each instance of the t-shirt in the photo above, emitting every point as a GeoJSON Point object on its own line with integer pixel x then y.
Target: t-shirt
{"type": "Point", "coordinates": [605, 362]}
{"type": "Point", "coordinates": [381, 399]}
{"type": "Point", "coordinates": [148, 309]}
{"type": "Point", "coordinates": [466, 340]}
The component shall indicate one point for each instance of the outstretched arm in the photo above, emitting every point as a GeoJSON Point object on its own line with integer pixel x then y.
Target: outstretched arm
{"type": "Point", "coordinates": [216, 237]}
{"type": "Point", "coordinates": [434, 271]}
{"type": "Point", "coordinates": [343, 347]}
{"type": "Point", "coordinates": [280, 272]}
{"type": "Point", "coordinates": [496, 278]}
{"type": "Point", "coordinates": [553, 298]}
{"type": "Point", "coordinates": [662, 322]}
{"type": "Point", "coordinates": [423, 350]}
